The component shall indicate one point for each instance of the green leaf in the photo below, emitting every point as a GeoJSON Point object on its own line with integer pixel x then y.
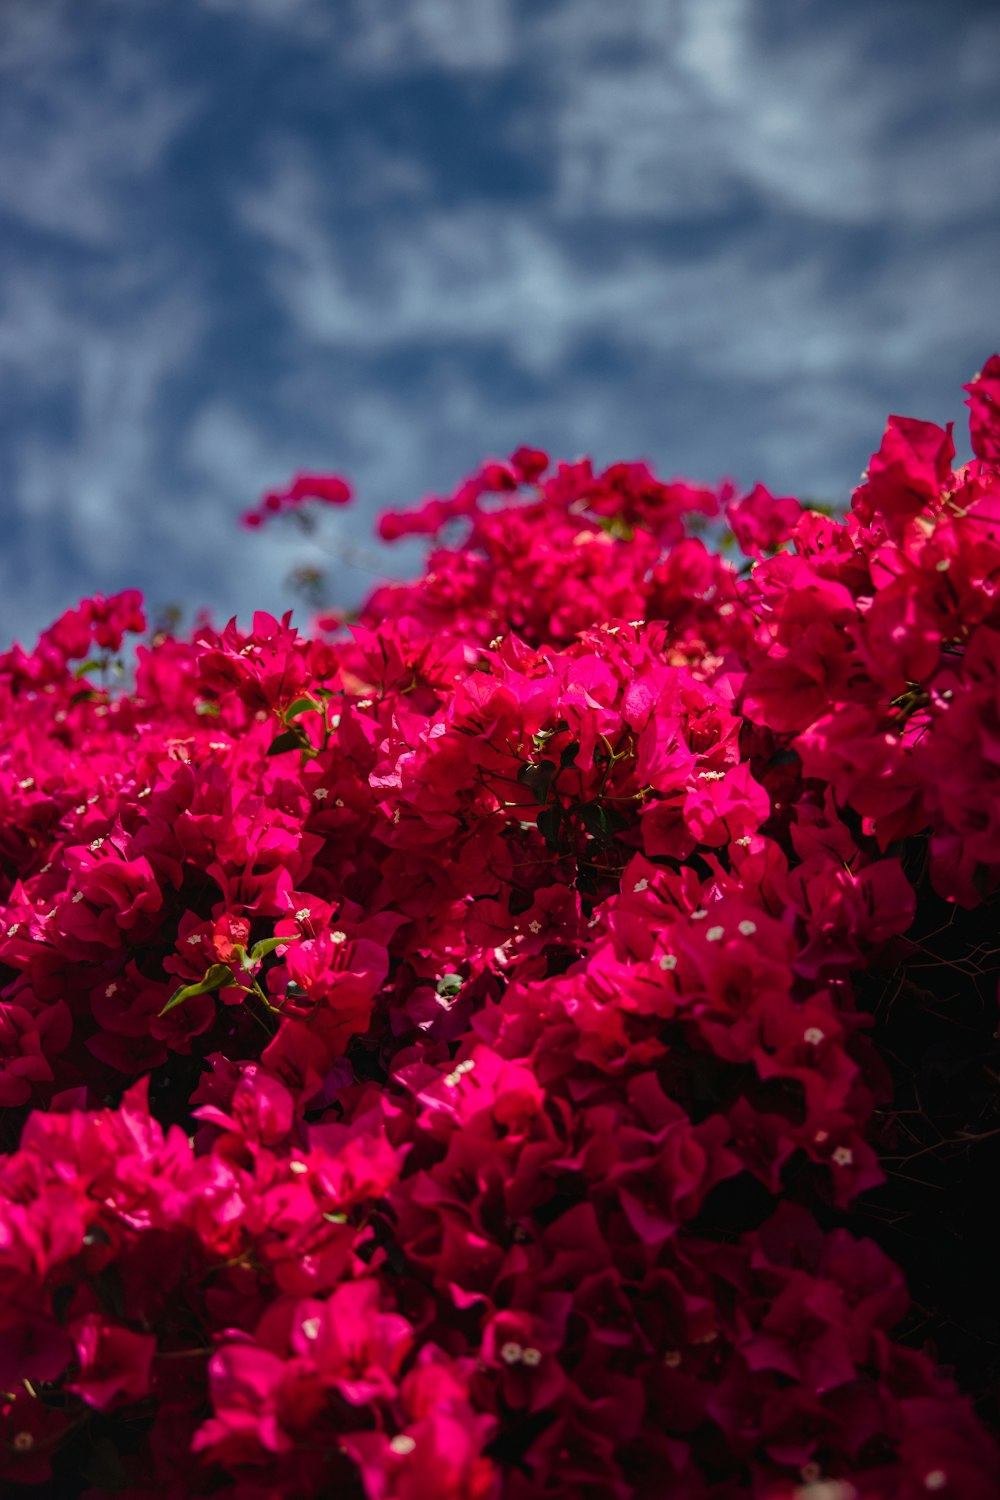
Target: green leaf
{"type": "Point", "coordinates": [267, 945]}
{"type": "Point", "coordinates": [300, 706]}
{"type": "Point", "coordinates": [104, 1468]}
{"type": "Point", "coordinates": [108, 1286]}
{"type": "Point", "coordinates": [449, 985]}
{"type": "Point", "coordinates": [289, 739]}
{"type": "Point", "coordinates": [87, 666]}
{"type": "Point", "coordinates": [214, 979]}
{"type": "Point", "coordinates": [538, 779]}
{"type": "Point", "coordinates": [595, 820]}
{"type": "Point", "coordinates": [549, 820]}
{"type": "Point", "coordinates": [541, 739]}
{"type": "Point", "coordinates": [568, 757]}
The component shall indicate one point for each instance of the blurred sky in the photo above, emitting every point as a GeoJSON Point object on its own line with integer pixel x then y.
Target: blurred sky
{"type": "Point", "coordinates": [391, 237]}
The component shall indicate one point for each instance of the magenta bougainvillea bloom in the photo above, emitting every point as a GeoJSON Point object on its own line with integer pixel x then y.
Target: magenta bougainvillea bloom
{"type": "Point", "coordinates": [444, 1056]}
{"type": "Point", "coordinates": [328, 489]}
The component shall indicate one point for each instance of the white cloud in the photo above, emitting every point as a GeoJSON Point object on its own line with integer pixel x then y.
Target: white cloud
{"type": "Point", "coordinates": [98, 478]}
{"type": "Point", "coordinates": [392, 36]}
{"type": "Point", "coordinates": [98, 325]}
{"type": "Point", "coordinates": [664, 110]}
{"type": "Point", "coordinates": [313, 21]}
{"type": "Point", "coordinates": [33, 35]}
{"type": "Point", "coordinates": [459, 35]}
{"type": "Point", "coordinates": [79, 154]}
{"type": "Point", "coordinates": [495, 276]}
{"type": "Point", "coordinates": [653, 111]}
{"type": "Point", "coordinates": [467, 275]}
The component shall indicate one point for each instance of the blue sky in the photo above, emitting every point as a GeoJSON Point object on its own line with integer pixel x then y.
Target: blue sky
{"type": "Point", "coordinates": [390, 237]}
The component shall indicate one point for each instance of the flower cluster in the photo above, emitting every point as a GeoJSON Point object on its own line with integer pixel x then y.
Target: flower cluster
{"type": "Point", "coordinates": [327, 489]}
{"type": "Point", "coordinates": [437, 1054]}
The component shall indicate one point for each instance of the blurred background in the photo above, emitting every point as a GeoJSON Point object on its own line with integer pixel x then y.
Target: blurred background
{"type": "Point", "coordinates": [392, 237]}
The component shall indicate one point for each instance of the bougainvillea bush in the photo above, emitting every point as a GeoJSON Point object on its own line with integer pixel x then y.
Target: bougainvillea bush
{"type": "Point", "coordinates": [529, 1039]}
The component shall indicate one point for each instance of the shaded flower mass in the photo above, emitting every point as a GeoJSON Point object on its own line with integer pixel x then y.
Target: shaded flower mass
{"type": "Point", "coordinates": [441, 1055]}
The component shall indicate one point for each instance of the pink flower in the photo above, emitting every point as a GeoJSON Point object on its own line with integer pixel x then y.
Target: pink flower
{"type": "Point", "coordinates": [114, 1363]}
{"type": "Point", "coordinates": [984, 405]}
{"type": "Point", "coordinates": [760, 521]}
